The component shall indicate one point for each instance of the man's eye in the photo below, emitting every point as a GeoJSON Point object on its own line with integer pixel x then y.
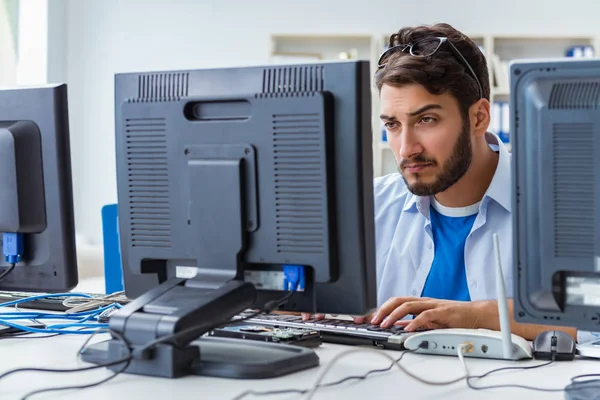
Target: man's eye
{"type": "Point", "coordinates": [391, 125]}
{"type": "Point", "coordinates": [427, 120]}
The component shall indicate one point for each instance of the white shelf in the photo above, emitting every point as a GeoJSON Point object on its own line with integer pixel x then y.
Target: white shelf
{"type": "Point", "coordinates": [498, 49]}
{"type": "Point", "coordinates": [384, 146]}
{"type": "Point", "coordinates": [500, 91]}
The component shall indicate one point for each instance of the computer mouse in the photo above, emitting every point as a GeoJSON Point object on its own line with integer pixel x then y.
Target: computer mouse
{"type": "Point", "coordinates": [554, 345]}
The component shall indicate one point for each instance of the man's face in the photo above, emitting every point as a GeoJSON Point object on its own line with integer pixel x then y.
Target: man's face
{"type": "Point", "coordinates": [431, 143]}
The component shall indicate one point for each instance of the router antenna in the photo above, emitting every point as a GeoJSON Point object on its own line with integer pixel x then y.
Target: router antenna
{"type": "Point", "coordinates": [502, 304]}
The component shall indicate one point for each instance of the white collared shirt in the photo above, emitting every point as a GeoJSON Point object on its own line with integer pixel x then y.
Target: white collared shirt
{"type": "Point", "coordinates": [405, 245]}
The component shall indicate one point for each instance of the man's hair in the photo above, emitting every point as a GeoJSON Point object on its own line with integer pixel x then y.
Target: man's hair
{"type": "Point", "coordinates": [443, 71]}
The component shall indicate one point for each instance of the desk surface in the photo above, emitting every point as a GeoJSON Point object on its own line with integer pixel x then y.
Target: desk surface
{"type": "Point", "coordinates": [60, 352]}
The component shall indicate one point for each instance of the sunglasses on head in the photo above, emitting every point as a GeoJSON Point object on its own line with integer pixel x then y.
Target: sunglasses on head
{"type": "Point", "coordinates": [426, 48]}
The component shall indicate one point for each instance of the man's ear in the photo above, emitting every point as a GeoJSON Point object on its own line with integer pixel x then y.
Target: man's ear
{"type": "Point", "coordinates": [480, 117]}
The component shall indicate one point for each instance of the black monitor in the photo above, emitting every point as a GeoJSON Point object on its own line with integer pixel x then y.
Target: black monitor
{"type": "Point", "coordinates": [226, 177]}
{"type": "Point", "coordinates": [36, 197]}
{"type": "Point", "coordinates": [555, 136]}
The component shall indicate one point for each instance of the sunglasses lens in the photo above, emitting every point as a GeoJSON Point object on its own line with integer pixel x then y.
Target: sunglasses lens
{"type": "Point", "coordinates": [385, 56]}
{"type": "Point", "coordinates": [426, 47]}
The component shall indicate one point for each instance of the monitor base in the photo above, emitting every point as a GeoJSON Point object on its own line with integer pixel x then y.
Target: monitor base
{"type": "Point", "coordinates": [227, 358]}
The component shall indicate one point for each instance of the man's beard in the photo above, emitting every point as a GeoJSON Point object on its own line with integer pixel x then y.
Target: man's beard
{"type": "Point", "coordinates": [454, 168]}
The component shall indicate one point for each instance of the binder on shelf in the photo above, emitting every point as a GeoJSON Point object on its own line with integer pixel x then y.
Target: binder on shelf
{"type": "Point", "coordinates": [505, 137]}
{"type": "Point", "coordinates": [500, 120]}
{"type": "Point", "coordinates": [580, 52]}
{"type": "Point", "coordinates": [500, 72]}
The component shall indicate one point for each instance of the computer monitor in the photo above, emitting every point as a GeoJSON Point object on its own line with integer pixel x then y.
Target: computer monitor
{"type": "Point", "coordinates": [228, 176]}
{"type": "Point", "coordinates": [555, 138]}
{"type": "Point", "coordinates": [36, 196]}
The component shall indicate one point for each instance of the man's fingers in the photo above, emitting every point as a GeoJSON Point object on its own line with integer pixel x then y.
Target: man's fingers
{"type": "Point", "coordinates": [413, 307]}
{"type": "Point", "coordinates": [363, 319]}
{"type": "Point", "coordinates": [307, 316]}
{"type": "Point", "coordinates": [390, 305]}
{"type": "Point", "coordinates": [427, 319]}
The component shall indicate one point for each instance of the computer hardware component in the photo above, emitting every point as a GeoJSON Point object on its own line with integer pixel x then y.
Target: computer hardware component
{"type": "Point", "coordinates": [555, 124]}
{"type": "Point", "coordinates": [555, 129]}
{"type": "Point", "coordinates": [483, 343]}
{"type": "Point", "coordinates": [221, 171]}
{"type": "Point", "coordinates": [269, 360]}
{"type": "Point", "coordinates": [554, 345]}
{"type": "Point", "coordinates": [293, 336]}
{"type": "Point", "coordinates": [36, 200]}
{"type": "Point", "coordinates": [334, 330]}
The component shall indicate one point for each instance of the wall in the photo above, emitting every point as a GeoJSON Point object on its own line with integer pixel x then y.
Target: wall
{"type": "Point", "coordinates": [8, 44]}
{"type": "Point", "coordinates": [104, 37]}
{"type": "Point", "coordinates": [32, 66]}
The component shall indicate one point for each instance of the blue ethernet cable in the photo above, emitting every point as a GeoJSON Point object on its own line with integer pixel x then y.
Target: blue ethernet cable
{"type": "Point", "coordinates": [83, 322]}
{"type": "Point", "coordinates": [46, 296]}
{"type": "Point", "coordinates": [60, 330]}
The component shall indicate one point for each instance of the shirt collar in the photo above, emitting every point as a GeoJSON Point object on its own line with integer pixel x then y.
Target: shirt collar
{"type": "Point", "coordinates": [500, 189]}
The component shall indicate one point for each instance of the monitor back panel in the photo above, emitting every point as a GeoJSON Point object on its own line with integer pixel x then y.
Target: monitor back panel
{"type": "Point", "coordinates": [50, 262]}
{"type": "Point", "coordinates": [555, 130]}
{"type": "Point", "coordinates": [305, 135]}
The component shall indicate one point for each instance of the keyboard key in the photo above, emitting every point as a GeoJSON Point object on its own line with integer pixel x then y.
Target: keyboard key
{"type": "Point", "coordinates": [375, 328]}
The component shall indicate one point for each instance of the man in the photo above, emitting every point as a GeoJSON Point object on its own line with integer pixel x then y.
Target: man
{"type": "Point", "coordinates": [435, 218]}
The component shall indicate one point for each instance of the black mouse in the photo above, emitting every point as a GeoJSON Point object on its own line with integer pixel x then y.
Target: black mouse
{"type": "Point", "coordinates": [554, 345]}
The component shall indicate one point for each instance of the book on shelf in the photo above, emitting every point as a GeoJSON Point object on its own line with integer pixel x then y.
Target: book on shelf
{"type": "Point", "coordinates": [500, 120]}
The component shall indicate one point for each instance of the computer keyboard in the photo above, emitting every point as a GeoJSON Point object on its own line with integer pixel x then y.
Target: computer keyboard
{"type": "Point", "coordinates": [336, 330]}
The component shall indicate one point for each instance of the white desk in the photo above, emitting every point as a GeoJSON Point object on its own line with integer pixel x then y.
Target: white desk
{"type": "Point", "coordinates": [60, 352]}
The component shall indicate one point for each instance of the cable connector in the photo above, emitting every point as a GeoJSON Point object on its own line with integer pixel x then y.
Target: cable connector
{"type": "Point", "coordinates": [294, 277]}
{"type": "Point", "coordinates": [467, 347]}
{"type": "Point", "coordinates": [12, 247]}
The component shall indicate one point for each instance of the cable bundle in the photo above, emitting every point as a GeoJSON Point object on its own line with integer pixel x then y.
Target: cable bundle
{"type": "Point", "coordinates": [83, 318]}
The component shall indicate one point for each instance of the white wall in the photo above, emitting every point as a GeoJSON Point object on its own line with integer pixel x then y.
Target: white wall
{"type": "Point", "coordinates": [32, 66]}
{"type": "Point", "coordinates": [108, 36]}
{"type": "Point", "coordinates": [57, 41]}
{"type": "Point", "coordinates": [8, 51]}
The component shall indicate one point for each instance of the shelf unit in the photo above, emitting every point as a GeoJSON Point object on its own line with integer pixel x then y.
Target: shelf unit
{"type": "Point", "coordinates": [498, 49]}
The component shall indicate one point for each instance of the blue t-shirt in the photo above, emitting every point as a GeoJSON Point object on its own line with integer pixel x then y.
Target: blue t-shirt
{"type": "Point", "coordinates": [447, 277]}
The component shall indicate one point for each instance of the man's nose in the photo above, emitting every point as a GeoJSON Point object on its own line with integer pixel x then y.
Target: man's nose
{"type": "Point", "coordinates": [409, 144]}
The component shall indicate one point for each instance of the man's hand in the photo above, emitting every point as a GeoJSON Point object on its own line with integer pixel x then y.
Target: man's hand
{"type": "Point", "coordinates": [357, 320]}
{"type": "Point", "coordinates": [307, 316]}
{"type": "Point", "coordinates": [429, 313]}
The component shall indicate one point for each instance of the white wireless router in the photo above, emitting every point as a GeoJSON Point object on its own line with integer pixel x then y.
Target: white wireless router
{"type": "Point", "coordinates": [484, 343]}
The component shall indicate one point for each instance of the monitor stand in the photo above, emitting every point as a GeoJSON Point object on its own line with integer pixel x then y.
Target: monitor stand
{"type": "Point", "coordinates": [186, 309]}
{"type": "Point", "coordinates": [230, 358]}
{"type": "Point", "coordinates": [181, 307]}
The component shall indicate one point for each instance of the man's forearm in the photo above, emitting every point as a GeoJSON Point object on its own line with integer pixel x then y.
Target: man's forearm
{"type": "Point", "coordinates": [488, 318]}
